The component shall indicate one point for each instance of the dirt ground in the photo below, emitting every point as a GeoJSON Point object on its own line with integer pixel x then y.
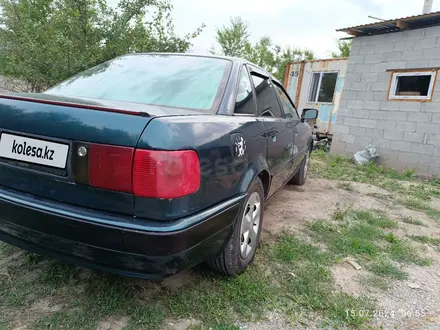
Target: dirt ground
{"type": "Point", "coordinates": [410, 304]}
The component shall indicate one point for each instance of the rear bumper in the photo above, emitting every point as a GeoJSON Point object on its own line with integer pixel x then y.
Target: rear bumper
{"type": "Point", "coordinates": [118, 244]}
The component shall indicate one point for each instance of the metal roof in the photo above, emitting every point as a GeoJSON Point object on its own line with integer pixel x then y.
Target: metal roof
{"type": "Point", "coordinates": [394, 25]}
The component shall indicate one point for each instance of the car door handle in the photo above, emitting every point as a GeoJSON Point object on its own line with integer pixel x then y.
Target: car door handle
{"type": "Point", "coordinates": [272, 133]}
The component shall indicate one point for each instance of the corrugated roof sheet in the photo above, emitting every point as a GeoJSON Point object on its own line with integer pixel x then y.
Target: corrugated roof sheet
{"type": "Point", "coordinates": [394, 25]}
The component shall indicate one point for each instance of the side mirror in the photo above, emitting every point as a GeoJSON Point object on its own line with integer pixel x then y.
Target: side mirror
{"type": "Point", "coordinates": [309, 114]}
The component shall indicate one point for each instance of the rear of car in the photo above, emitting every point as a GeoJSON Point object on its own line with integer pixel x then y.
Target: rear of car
{"type": "Point", "coordinates": [97, 171]}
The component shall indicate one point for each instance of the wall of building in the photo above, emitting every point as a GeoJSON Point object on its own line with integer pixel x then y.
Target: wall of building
{"type": "Point", "coordinates": [407, 133]}
{"type": "Point", "coordinates": [298, 87]}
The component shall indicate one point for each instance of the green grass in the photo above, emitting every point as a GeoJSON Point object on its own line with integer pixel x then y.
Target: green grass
{"type": "Point", "coordinates": [435, 180]}
{"type": "Point", "coordinates": [307, 282]}
{"type": "Point", "coordinates": [420, 205]}
{"type": "Point", "coordinates": [435, 214]}
{"type": "Point", "coordinates": [386, 268]}
{"type": "Point", "coordinates": [291, 249]}
{"type": "Point", "coordinates": [347, 239]}
{"type": "Point", "coordinates": [376, 219]}
{"type": "Point", "coordinates": [403, 252]}
{"type": "Point", "coordinates": [335, 167]}
{"type": "Point", "coordinates": [390, 185]}
{"type": "Point", "coordinates": [358, 235]}
{"type": "Point", "coordinates": [57, 274]}
{"type": "Point", "coordinates": [361, 233]}
{"type": "Point", "coordinates": [342, 168]}
{"type": "Point", "coordinates": [346, 186]}
{"type": "Point", "coordinates": [414, 204]}
{"type": "Point", "coordinates": [422, 191]}
{"type": "Point", "coordinates": [426, 239]}
{"type": "Point", "coordinates": [146, 317]}
{"type": "Point", "coordinates": [214, 301]}
{"type": "Point", "coordinates": [391, 238]}
{"type": "Point", "coordinates": [340, 214]}
{"type": "Point", "coordinates": [6, 250]}
{"type": "Point", "coordinates": [378, 282]}
{"type": "Point", "coordinates": [413, 221]}
{"type": "Point", "coordinates": [66, 319]}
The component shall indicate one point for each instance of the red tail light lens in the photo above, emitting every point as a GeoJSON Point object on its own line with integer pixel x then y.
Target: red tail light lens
{"type": "Point", "coordinates": [110, 167]}
{"type": "Point", "coordinates": [165, 174]}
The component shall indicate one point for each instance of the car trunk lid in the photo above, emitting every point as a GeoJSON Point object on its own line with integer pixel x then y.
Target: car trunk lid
{"type": "Point", "coordinates": [43, 138]}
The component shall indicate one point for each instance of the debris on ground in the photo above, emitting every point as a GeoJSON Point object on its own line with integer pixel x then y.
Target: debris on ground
{"type": "Point", "coordinates": [366, 156]}
{"type": "Point", "coordinates": [414, 285]}
{"type": "Point", "coordinates": [353, 263]}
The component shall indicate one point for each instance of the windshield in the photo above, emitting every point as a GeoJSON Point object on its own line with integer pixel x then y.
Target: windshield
{"type": "Point", "coordinates": [165, 80]}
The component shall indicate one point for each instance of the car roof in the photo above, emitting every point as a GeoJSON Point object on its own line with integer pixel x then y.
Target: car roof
{"type": "Point", "coordinates": [235, 60]}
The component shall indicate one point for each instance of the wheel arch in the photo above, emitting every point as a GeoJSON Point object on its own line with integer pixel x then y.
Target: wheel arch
{"type": "Point", "coordinates": [259, 170]}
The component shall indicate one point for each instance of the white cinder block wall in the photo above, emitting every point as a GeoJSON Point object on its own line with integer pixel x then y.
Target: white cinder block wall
{"type": "Point", "coordinates": [407, 134]}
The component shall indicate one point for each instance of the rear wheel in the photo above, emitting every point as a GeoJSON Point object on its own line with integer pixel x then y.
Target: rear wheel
{"type": "Point", "coordinates": [300, 177]}
{"type": "Point", "coordinates": [240, 250]}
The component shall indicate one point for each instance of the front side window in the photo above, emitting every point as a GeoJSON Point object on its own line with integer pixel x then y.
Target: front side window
{"type": "Point", "coordinates": [268, 105]}
{"type": "Point", "coordinates": [166, 80]}
{"type": "Point", "coordinates": [244, 103]}
{"type": "Point", "coordinates": [417, 85]}
{"type": "Point", "coordinates": [288, 107]}
{"type": "Point", "coordinates": [322, 87]}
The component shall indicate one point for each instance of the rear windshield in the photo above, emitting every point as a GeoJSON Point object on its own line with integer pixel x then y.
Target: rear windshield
{"type": "Point", "coordinates": [165, 80]}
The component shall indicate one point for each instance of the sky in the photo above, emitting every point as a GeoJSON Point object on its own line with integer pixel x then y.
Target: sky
{"type": "Point", "coordinates": [298, 23]}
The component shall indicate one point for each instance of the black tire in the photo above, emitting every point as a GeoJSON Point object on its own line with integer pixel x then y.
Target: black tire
{"type": "Point", "coordinates": [231, 261]}
{"type": "Point", "coordinates": [300, 177]}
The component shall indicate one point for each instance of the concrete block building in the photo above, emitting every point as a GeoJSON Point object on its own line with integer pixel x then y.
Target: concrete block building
{"type": "Point", "coordinates": [391, 95]}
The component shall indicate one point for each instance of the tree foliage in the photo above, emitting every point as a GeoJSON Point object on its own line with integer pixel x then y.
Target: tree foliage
{"type": "Point", "coordinates": [233, 40]}
{"type": "Point", "coordinates": [262, 53]}
{"type": "Point", "coordinates": [344, 47]}
{"type": "Point", "coordinates": [289, 55]}
{"type": "Point", "coordinates": [47, 41]}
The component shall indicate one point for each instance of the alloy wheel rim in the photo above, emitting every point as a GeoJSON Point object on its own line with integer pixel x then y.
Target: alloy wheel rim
{"type": "Point", "coordinates": [250, 224]}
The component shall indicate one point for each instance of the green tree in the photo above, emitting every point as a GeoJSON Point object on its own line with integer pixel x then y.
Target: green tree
{"type": "Point", "coordinates": [262, 53]}
{"type": "Point", "coordinates": [233, 39]}
{"type": "Point", "coordinates": [47, 41]}
{"type": "Point", "coordinates": [284, 56]}
{"type": "Point", "coordinates": [344, 47]}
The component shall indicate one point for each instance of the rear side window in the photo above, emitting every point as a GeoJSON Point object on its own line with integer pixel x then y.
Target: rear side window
{"type": "Point", "coordinates": [288, 107]}
{"type": "Point", "coordinates": [268, 105]}
{"type": "Point", "coordinates": [244, 103]}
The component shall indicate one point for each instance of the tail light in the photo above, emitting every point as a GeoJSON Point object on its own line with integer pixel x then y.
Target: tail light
{"type": "Point", "coordinates": [145, 173]}
{"type": "Point", "coordinates": [110, 167]}
{"type": "Point", "coordinates": [165, 174]}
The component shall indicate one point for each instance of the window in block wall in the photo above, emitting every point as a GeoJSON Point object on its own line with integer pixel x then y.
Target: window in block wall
{"type": "Point", "coordinates": [322, 87]}
{"type": "Point", "coordinates": [414, 85]}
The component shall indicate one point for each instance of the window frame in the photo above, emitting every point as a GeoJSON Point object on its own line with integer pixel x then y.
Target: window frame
{"type": "Point", "coordinates": [254, 97]}
{"type": "Point", "coordinates": [391, 96]}
{"type": "Point", "coordinates": [290, 100]}
{"type": "Point", "coordinates": [319, 87]}
{"type": "Point", "coordinates": [264, 75]}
